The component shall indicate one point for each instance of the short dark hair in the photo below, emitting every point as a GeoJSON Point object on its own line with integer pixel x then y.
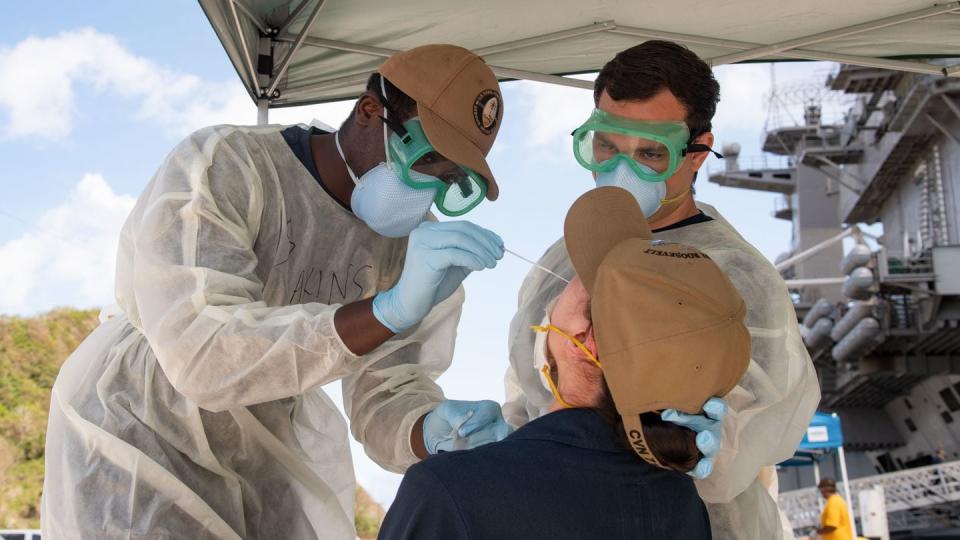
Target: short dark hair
{"type": "Point", "coordinates": [397, 102]}
{"type": "Point", "coordinates": [672, 445]}
{"type": "Point", "coordinates": [644, 70]}
{"type": "Point", "coordinates": [828, 484]}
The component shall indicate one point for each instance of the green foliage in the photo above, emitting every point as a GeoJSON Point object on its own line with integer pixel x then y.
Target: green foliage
{"type": "Point", "coordinates": [31, 352]}
{"type": "Point", "coordinates": [367, 516]}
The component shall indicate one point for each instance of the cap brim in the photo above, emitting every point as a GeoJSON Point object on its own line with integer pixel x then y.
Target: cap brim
{"type": "Point", "coordinates": [597, 222]}
{"type": "Point", "coordinates": [455, 147]}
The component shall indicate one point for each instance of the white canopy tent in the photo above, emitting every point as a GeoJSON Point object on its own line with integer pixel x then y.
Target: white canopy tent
{"type": "Point", "coordinates": [298, 52]}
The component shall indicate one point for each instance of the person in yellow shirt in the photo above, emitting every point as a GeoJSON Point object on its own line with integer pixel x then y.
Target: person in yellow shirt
{"type": "Point", "coordinates": [835, 520]}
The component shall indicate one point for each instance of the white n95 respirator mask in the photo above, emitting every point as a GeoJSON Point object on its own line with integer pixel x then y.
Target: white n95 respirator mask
{"type": "Point", "coordinates": [381, 200]}
{"type": "Point", "coordinates": [387, 205]}
{"type": "Point", "coordinates": [649, 195]}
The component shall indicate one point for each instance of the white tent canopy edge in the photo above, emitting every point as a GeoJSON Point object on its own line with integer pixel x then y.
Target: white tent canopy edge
{"type": "Point", "coordinates": [301, 67]}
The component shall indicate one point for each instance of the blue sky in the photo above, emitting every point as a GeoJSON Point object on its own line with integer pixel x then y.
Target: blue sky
{"type": "Point", "coordinates": [91, 100]}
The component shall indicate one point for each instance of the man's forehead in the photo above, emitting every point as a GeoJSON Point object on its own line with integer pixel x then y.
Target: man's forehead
{"type": "Point", "coordinates": [662, 107]}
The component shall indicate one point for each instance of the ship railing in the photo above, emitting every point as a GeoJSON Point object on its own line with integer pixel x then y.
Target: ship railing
{"type": "Point", "coordinates": [751, 163]}
{"type": "Point", "coordinates": [910, 489]}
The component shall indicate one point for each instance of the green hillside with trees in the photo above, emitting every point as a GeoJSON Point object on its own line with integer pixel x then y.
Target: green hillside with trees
{"type": "Point", "coordinates": [31, 352]}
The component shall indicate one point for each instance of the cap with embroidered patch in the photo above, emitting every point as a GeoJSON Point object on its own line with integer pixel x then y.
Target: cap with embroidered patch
{"type": "Point", "coordinates": [458, 102]}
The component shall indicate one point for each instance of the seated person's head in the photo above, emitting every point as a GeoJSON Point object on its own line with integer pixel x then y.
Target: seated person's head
{"type": "Point", "coordinates": [644, 326]}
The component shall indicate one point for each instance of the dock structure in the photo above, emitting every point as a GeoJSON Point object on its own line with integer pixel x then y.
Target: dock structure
{"type": "Point", "coordinates": [879, 309]}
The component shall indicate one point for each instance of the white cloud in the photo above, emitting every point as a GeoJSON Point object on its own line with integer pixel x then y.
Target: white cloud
{"type": "Point", "coordinates": [39, 76]}
{"type": "Point", "coordinates": [743, 101]}
{"type": "Point", "coordinates": [67, 258]}
{"type": "Point", "coordinates": [554, 111]}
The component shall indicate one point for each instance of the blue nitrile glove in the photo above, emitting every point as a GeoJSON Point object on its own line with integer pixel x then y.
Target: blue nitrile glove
{"type": "Point", "coordinates": [461, 425]}
{"type": "Point", "coordinates": [709, 427]}
{"type": "Point", "coordinates": [439, 257]}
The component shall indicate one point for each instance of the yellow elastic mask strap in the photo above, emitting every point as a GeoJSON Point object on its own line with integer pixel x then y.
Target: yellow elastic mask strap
{"type": "Point", "coordinates": [575, 341]}
{"type": "Point", "coordinates": [675, 199]}
{"type": "Point", "coordinates": [634, 428]}
{"type": "Point", "coordinates": [545, 370]}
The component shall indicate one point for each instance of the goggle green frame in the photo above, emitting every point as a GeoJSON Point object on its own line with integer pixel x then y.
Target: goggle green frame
{"type": "Point", "coordinates": [406, 149]}
{"type": "Point", "coordinates": [673, 135]}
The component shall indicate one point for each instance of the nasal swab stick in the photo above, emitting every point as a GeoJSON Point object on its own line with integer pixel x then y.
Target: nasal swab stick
{"type": "Point", "coordinates": [547, 270]}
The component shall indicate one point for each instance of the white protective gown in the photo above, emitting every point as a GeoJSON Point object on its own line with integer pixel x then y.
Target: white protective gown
{"type": "Point", "coordinates": [198, 413]}
{"type": "Point", "coordinates": [769, 409]}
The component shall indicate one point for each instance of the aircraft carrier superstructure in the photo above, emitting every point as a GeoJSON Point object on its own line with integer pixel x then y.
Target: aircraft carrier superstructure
{"type": "Point", "coordinates": [874, 199]}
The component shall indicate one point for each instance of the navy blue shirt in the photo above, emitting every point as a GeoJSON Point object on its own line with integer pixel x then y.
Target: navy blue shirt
{"type": "Point", "coordinates": [564, 475]}
{"type": "Point", "coordinates": [298, 139]}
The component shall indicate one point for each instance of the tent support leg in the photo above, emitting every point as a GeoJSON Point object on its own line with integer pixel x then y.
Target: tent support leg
{"type": "Point", "coordinates": [846, 489]}
{"type": "Point", "coordinates": [263, 112]}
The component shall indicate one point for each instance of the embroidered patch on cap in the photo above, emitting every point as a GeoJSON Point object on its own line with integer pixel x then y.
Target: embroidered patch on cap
{"type": "Point", "coordinates": [486, 109]}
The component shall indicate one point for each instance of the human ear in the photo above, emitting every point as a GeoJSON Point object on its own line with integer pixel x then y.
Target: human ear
{"type": "Point", "coordinates": [697, 159]}
{"type": "Point", "coordinates": [367, 110]}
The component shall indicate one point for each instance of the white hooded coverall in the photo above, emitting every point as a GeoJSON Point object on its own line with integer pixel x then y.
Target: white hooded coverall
{"type": "Point", "coordinates": [769, 409]}
{"type": "Point", "coordinates": [198, 413]}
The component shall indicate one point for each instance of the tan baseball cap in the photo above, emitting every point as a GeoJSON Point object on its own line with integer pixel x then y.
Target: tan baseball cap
{"type": "Point", "coordinates": [667, 320]}
{"type": "Point", "coordinates": [458, 102]}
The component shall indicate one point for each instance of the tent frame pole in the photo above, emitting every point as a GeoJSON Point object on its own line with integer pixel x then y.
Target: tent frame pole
{"type": "Point", "coordinates": [833, 34]}
{"type": "Point", "coordinates": [292, 17]}
{"type": "Point", "coordinates": [511, 73]}
{"type": "Point", "coordinates": [798, 54]}
{"type": "Point", "coordinates": [602, 26]}
{"type": "Point", "coordinates": [382, 52]}
{"type": "Point", "coordinates": [745, 50]}
{"type": "Point", "coordinates": [846, 489]}
{"type": "Point", "coordinates": [296, 46]}
{"type": "Point", "coordinates": [245, 9]}
{"type": "Point", "coordinates": [246, 51]}
{"type": "Point", "coordinates": [613, 28]}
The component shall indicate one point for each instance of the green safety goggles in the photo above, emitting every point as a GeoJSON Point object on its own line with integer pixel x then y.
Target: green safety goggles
{"type": "Point", "coordinates": [654, 150]}
{"type": "Point", "coordinates": [420, 166]}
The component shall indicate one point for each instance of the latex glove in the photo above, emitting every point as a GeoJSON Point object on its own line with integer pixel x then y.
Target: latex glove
{"type": "Point", "coordinates": [439, 257]}
{"type": "Point", "coordinates": [461, 425]}
{"type": "Point", "coordinates": [709, 427]}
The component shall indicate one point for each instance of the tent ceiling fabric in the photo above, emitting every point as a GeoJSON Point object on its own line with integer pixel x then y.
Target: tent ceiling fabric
{"type": "Point", "coordinates": [349, 39]}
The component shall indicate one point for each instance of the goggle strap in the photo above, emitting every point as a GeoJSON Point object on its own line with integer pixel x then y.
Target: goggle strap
{"type": "Point", "coordinates": [397, 128]}
{"type": "Point", "coordinates": [697, 147]}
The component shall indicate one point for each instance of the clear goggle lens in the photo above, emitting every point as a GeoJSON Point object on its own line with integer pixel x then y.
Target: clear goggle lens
{"type": "Point", "coordinates": [458, 189]}
{"type": "Point", "coordinates": [599, 148]}
{"type": "Point", "coordinates": [653, 149]}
